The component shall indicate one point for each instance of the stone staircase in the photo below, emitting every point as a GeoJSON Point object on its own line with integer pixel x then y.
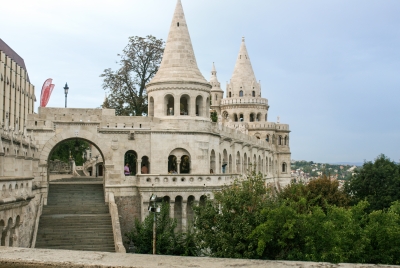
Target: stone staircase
{"type": "Point", "coordinates": [76, 218]}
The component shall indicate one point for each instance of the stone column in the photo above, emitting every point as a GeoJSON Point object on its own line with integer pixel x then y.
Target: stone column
{"type": "Point", "coordinates": [178, 163]}
{"type": "Point", "coordinates": [192, 106]}
{"type": "Point", "coordinates": [177, 106]}
{"type": "Point", "coordinates": [172, 209]}
{"type": "Point", "coordinates": [139, 167]}
{"type": "Point", "coordinates": [184, 215]}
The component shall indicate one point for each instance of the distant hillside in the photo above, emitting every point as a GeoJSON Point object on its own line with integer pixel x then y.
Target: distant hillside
{"type": "Point", "coordinates": [358, 164]}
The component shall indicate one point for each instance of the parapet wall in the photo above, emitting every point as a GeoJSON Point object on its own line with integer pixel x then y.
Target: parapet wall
{"type": "Point", "coordinates": [45, 258]}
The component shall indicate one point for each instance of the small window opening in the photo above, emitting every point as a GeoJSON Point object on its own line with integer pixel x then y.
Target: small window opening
{"type": "Point", "coordinates": [230, 94]}
{"type": "Point", "coordinates": [178, 24]}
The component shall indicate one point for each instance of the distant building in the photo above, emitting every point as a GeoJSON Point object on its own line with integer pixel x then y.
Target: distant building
{"type": "Point", "coordinates": [17, 94]}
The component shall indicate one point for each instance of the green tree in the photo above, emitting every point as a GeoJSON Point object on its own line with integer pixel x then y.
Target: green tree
{"type": "Point", "coordinates": [377, 182]}
{"type": "Point", "coordinates": [168, 241]}
{"type": "Point", "coordinates": [214, 116]}
{"type": "Point", "coordinates": [319, 192]}
{"type": "Point", "coordinates": [139, 62]}
{"type": "Point", "coordinates": [76, 148]}
{"type": "Point", "coordinates": [223, 225]}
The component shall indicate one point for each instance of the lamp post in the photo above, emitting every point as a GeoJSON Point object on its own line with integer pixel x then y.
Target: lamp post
{"type": "Point", "coordinates": [155, 209]}
{"type": "Point", "coordinates": [66, 93]}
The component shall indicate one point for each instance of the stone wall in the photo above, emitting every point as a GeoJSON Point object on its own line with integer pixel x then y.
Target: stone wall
{"type": "Point", "coordinates": [128, 210]}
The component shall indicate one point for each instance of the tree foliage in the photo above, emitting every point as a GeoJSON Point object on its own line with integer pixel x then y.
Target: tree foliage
{"type": "Point", "coordinates": [168, 241]}
{"type": "Point", "coordinates": [319, 192]}
{"type": "Point", "coordinates": [223, 225]}
{"type": "Point", "coordinates": [138, 63]}
{"type": "Point", "coordinates": [76, 148]}
{"type": "Point", "coordinates": [377, 182]}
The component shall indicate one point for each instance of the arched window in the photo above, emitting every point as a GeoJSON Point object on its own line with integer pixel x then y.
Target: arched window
{"type": "Point", "coordinates": [241, 117]}
{"type": "Point", "coordinates": [216, 97]}
{"type": "Point", "coordinates": [212, 162]}
{"type": "Point", "coordinates": [169, 105]}
{"type": "Point", "coordinates": [284, 167]}
{"type": "Point", "coordinates": [224, 161]}
{"type": "Point", "coordinates": [286, 140]}
{"type": "Point", "coordinates": [238, 163]}
{"type": "Point", "coordinates": [235, 117]}
{"type": "Point", "coordinates": [230, 94]}
{"type": "Point", "coordinates": [131, 159]}
{"type": "Point", "coordinates": [199, 106]}
{"type": "Point", "coordinates": [258, 117]}
{"type": "Point", "coordinates": [145, 168]}
{"type": "Point", "coordinates": [280, 140]}
{"type": "Point", "coordinates": [241, 93]}
{"type": "Point", "coordinates": [185, 164]}
{"type": "Point", "coordinates": [172, 165]}
{"type": "Point", "coordinates": [252, 117]}
{"type": "Point", "coordinates": [266, 117]}
{"type": "Point", "coordinates": [267, 138]}
{"type": "Point", "coordinates": [184, 105]}
{"type": "Point", "coordinates": [253, 93]}
{"type": "Point", "coordinates": [230, 164]}
{"type": "Point", "coordinates": [151, 106]}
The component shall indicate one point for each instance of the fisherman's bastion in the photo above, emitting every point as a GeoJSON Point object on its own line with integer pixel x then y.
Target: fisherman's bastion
{"type": "Point", "coordinates": [187, 156]}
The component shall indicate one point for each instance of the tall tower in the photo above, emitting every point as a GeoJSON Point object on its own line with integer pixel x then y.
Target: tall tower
{"type": "Point", "coordinates": [216, 92]}
{"type": "Point", "coordinates": [243, 102]}
{"type": "Point", "coordinates": [179, 89]}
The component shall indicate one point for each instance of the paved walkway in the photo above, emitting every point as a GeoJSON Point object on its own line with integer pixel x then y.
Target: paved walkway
{"type": "Point", "coordinates": [38, 258]}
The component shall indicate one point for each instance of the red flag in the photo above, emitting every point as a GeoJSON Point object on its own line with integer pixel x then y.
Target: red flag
{"type": "Point", "coordinates": [46, 92]}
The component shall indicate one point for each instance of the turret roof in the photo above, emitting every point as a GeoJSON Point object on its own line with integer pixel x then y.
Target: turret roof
{"type": "Point", "coordinates": [243, 72]}
{"type": "Point", "coordinates": [179, 62]}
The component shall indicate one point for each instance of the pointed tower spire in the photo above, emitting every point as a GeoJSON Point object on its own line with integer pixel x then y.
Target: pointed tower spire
{"type": "Point", "coordinates": [243, 78]}
{"type": "Point", "coordinates": [216, 92]}
{"type": "Point", "coordinates": [243, 69]}
{"type": "Point", "coordinates": [179, 62]}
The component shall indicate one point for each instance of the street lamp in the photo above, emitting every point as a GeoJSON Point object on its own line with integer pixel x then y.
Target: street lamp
{"type": "Point", "coordinates": [66, 93]}
{"type": "Point", "coordinates": [154, 209]}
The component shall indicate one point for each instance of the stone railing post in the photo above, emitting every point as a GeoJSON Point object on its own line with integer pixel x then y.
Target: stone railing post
{"type": "Point", "coordinates": [139, 167]}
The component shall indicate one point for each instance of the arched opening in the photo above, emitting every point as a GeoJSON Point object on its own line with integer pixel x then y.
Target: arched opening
{"type": "Point", "coordinates": [230, 164]}
{"type": "Point", "coordinates": [224, 161]}
{"type": "Point", "coordinates": [189, 210]}
{"type": "Point", "coordinates": [10, 232]}
{"type": "Point", "coordinates": [230, 94]}
{"type": "Point", "coordinates": [208, 103]}
{"type": "Point", "coordinates": [178, 212]}
{"type": "Point", "coordinates": [235, 117]}
{"type": "Point", "coordinates": [75, 157]}
{"type": "Point", "coordinates": [145, 168]}
{"type": "Point", "coordinates": [286, 140]}
{"type": "Point", "coordinates": [185, 164]}
{"type": "Point", "coordinates": [130, 158]}
{"type": "Point", "coordinates": [199, 106]}
{"type": "Point", "coordinates": [241, 93]}
{"type": "Point", "coordinates": [212, 162]}
{"type": "Point", "coordinates": [252, 117]}
{"type": "Point", "coordinates": [169, 105]}
{"type": "Point", "coordinates": [267, 138]}
{"type": "Point", "coordinates": [259, 117]}
{"type": "Point", "coordinates": [172, 165]}
{"type": "Point", "coordinates": [151, 106]}
{"type": "Point", "coordinates": [284, 168]}
{"type": "Point", "coordinates": [203, 200]}
{"type": "Point", "coordinates": [2, 234]}
{"type": "Point", "coordinates": [266, 117]}
{"type": "Point", "coordinates": [184, 105]}
{"type": "Point", "coordinates": [280, 140]}
{"type": "Point", "coordinates": [238, 163]}
{"type": "Point", "coordinates": [253, 93]}
{"type": "Point", "coordinates": [241, 117]}
{"type": "Point", "coordinates": [245, 166]}
{"type": "Point", "coordinates": [179, 161]}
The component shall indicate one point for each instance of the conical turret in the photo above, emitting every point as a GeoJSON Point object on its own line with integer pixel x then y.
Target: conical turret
{"type": "Point", "coordinates": [243, 82]}
{"type": "Point", "coordinates": [216, 92]}
{"type": "Point", "coordinates": [179, 89]}
{"type": "Point", "coordinates": [179, 62]}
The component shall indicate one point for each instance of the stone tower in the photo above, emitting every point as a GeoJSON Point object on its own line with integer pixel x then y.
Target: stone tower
{"type": "Point", "coordinates": [216, 92]}
{"type": "Point", "coordinates": [179, 90]}
{"type": "Point", "coordinates": [243, 103]}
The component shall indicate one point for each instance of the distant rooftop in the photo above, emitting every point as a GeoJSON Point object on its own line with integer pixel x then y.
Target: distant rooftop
{"type": "Point", "coordinates": [14, 56]}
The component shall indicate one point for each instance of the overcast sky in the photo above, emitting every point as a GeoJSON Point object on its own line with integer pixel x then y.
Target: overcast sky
{"type": "Point", "coordinates": [330, 69]}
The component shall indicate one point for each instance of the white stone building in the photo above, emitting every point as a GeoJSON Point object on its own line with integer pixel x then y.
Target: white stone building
{"type": "Point", "coordinates": [186, 155]}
